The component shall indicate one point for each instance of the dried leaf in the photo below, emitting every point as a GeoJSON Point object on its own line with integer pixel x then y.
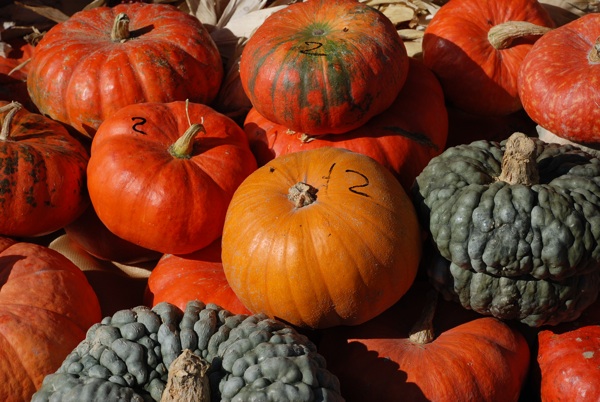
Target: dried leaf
{"type": "Point", "coordinates": [410, 34]}
{"type": "Point", "coordinates": [53, 14]}
{"type": "Point", "coordinates": [399, 13]}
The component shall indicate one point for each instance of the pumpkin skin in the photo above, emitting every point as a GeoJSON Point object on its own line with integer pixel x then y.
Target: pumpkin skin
{"type": "Point", "coordinates": [558, 81]}
{"type": "Point", "coordinates": [93, 236]}
{"type": "Point", "coordinates": [79, 76]}
{"type": "Point", "coordinates": [323, 66]}
{"type": "Point", "coordinates": [46, 307]}
{"type": "Point", "coordinates": [144, 194]}
{"type": "Point", "coordinates": [477, 77]}
{"type": "Point", "coordinates": [570, 364]}
{"type": "Point", "coordinates": [42, 175]}
{"type": "Point", "coordinates": [340, 260]}
{"type": "Point", "coordinates": [127, 357]}
{"type": "Point", "coordinates": [469, 358]}
{"type": "Point", "coordinates": [177, 279]}
{"type": "Point", "coordinates": [514, 251]}
{"type": "Point", "coordinates": [403, 138]}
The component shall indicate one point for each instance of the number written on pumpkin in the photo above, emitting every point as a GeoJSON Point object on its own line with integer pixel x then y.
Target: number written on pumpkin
{"type": "Point", "coordinates": [312, 49]}
{"type": "Point", "coordinates": [353, 189]}
{"type": "Point", "coordinates": [138, 121]}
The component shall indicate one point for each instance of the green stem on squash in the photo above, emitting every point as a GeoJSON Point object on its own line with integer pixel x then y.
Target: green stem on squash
{"type": "Point", "coordinates": [12, 108]}
{"type": "Point", "coordinates": [594, 54]}
{"type": "Point", "coordinates": [120, 29]}
{"type": "Point", "coordinates": [302, 194]}
{"type": "Point", "coordinates": [502, 35]}
{"type": "Point", "coordinates": [187, 379]}
{"type": "Point", "coordinates": [519, 165]}
{"type": "Point", "coordinates": [183, 147]}
{"type": "Point", "coordinates": [422, 331]}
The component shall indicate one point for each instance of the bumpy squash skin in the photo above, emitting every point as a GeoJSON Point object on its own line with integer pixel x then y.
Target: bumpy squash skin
{"type": "Point", "coordinates": [127, 356]}
{"type": "Point", "coordinates": [323, 66]}
{"type": "Point", "coordinates": [513, 251]}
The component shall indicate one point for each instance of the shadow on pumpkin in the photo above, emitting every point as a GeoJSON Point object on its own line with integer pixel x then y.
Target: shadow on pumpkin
{"type": "Point", "coordinates": [7, 262]}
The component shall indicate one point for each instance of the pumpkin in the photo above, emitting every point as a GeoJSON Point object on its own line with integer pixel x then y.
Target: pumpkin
{"type": "Point", "coordinates": [516, 226]}
{"type": "Point", "coordinates": [403, 138]}
{"type": "Point", "coordinates": [13, 73]}
{"type": "Point", "coordinates": [129, 356]}
{"type": "Point", "coordinates": [89, 233]}
{"type": "Point", "coordinates": [42, 173]}
{"type": "Point", "coordinates": [569, 364]}
{"type": "Point", "coordinates": [46, 306]}
{"type": "Point", "coordinates": [422, 349]}
{"type": "Point", "coordinates": [178, 279]}
{"type": "Point", "coordinates": [320, 238]}
{"type": "Point", "coordinates": [162, 183]}
{"type": "Point", "coordinates": [558, 81]}
{"type": "Point", "coordinates": [323, 66]}
{"type": "Point", "coordinates": [476, 48]}
{"type": "Point", "coordinates": [99, 60]}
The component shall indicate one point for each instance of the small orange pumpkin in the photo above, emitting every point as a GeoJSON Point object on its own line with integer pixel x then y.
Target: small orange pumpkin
{"type": "Point", "coordinates": [320, 238]}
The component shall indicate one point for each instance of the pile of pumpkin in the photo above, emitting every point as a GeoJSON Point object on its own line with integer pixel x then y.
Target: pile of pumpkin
{"type": "Point", "coordinates": [379, 227]}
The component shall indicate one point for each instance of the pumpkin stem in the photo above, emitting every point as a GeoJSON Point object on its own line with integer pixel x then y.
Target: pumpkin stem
{"type": "Point", "coordinates": [120, 29]}
{"type": "Point", "coordinates": [302, 194]}
{"type": "Point", "coordinates": [183, 147]}
{"type": "Point", "coordinates": [519, 161]}
{"type": "Point", "coordinates": [594, 54]}
{"type": "Point", "coordinates": [502, 35]}
{"type": "Point", "coordinates": [187, 379]}
{"type": "Point", "coordinates": [422, 331]}
{"type": "Point", "coordinates": [12, 108]}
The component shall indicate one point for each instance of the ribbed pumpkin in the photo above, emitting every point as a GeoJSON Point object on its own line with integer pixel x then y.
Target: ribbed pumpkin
{"type": "Point", "coordinates": [403, 138]}
{"type": "Point", "coordinates": [42, 173]}
{"type": "Point", "coordinates": [99, 60]}
{"type": "Point", "coordinates": [320, 238]}
{"type": "Point", "coordinates": [162, 183]}
{"type": "Point", "coordinates": [46, 307]}
{"type": "Point", "coordinates": [323, 66]}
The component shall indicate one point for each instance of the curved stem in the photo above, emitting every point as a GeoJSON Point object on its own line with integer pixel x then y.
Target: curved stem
{"type": "Point", "coordinates": [519, 164]}
{"type": "Point", "coordinates": [422, 331]}
{"type": "Point", "coordinates": [120, 29]}
{"type": "Point", "coordinates": [12, 108]}
{"type": "Point", "coordinates": [183, 147]}
{"type": "Point", "coordinates": [594, 54]}
{"type": "Point", "coordinates": [502, 35]}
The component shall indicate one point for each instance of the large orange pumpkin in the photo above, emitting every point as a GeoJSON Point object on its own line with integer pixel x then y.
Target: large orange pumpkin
{"type": "Point", "coordinates": [46, 307]}
{"type": "Point", "coordinates": [320, 238]}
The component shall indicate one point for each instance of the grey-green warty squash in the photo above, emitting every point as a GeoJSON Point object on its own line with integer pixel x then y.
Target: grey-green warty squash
{"type": "Point", "coordinates": [517, 224]}
{"type": "Point", "coordinates": [128, 357]}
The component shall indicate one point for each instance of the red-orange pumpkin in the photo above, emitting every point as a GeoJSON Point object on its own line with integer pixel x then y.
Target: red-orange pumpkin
{"type": "Point", "coordinates": [323, 66]}
{"type": "Point", "coordinates": [401, 355]}
{"type": "Point", "coordinates": [569, 364]}
{"type": "Point", "coordinates": [46, 307]}
{"type": "Point", "coordinates": [477, 65]}
{"type": "Point", "coordinates": [403, 138]}
{"type": "Point", "coordinates": [99, 60]}
{"type": "Point", "coordinates": [558, 81]}
{"type": "Point", "coordinates": [320, 238]}
{"type": "Point", "coordinates": [13, 73]}
{"type": "Point", "coordinates": [42, 173]}
{"type": "Point", "coordinates": [161, 183]}
{"type": "Point", "coordinates": [196, 276]}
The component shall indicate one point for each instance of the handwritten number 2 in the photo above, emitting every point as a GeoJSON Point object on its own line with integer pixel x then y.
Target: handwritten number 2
{"type": "Point", "coordinates": [139, 121]}
{"type": "Point", "coordinates": [365, 184]}
{"type": "Point", "coordinates": [311, 49]}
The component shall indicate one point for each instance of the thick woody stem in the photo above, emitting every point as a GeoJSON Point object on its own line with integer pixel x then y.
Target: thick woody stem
{"type": "Point", "coordinates": [187, 379]}
{"type": "Point", "coordinates": [12, 108]}
{"type": "Point", "coordinates": [594, 54]}
{"type": "Point", "coordinates": [422, 331]}
{"type": "Point", "coordinates": [519, 164]}
{"type": "Point", "coordinates": [183, 147]}
{"type": "Point", "coordinates": [502, 35]}
{"type": "Point", "coordinates": [120, 29]}
{"type": "Point", "coordinates": [302, 194]}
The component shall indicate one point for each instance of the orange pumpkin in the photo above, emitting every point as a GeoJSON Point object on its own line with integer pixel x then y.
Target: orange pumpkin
{"type": "Point", "coordinates": [46, 307]}
{"type": "Point", "coordinates": [320, 238]}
